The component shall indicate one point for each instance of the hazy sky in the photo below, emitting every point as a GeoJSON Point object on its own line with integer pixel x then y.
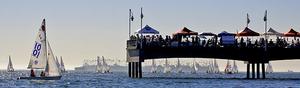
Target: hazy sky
{"type": "Point", "coordinates": [83, 29]}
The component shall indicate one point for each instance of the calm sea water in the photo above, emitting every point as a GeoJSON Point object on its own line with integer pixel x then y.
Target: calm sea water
{"type": "Point", "coordinates": [73, 79]}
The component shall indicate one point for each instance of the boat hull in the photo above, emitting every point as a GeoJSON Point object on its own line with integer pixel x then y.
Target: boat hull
{"type": "Point", "coordinates": [40, 78]}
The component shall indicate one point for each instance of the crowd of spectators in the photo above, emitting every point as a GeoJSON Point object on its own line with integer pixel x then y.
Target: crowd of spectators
{"type": "Point", "coordinates": [211, 41]}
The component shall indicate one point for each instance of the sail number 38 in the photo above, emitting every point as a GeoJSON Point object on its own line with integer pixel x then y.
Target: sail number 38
{"type": "Point", "coordinates": [36, 50]}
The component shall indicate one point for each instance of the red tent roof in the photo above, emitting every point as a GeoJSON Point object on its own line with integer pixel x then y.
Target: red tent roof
{"type": "Point", "coordinates": [291, 33]}
{"type": "Point", "coordinates": [185, 31]}
{"type": "Point", "coordinates": [248, 32]}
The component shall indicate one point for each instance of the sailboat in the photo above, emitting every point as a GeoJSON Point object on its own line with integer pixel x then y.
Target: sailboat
{"type": "Point", "coordinates": [99, 65]}
{"type": "Point", "coordinates": [216, 66]}
{"type": "Point", "coordinates": [10, 65]}
{"type": "Point", "coordinates": [210, 67]}
{"type": "Point", "coordinates": [234, 68]}
{"type": "Point", "coordinates": [153, 67]}
{"type": "Point", "coordinates": [228, 68]}
{"type": "Point", "coordinates": [178, 67]}
{"type": "Point", "coordinates": [167, 68]}
{"type": "Point", "coordinates": [62, 65]}
{"type": "Point", "coordinates": [105, 67]}
{"type": "Point", "coordinates": [269, 68]}
{"type": "Point", "coordinates": [42, 57]}
{"type": "Point", "coordinates": [57, 62]}
{"type": "Point", "coordinates": [194, 68]}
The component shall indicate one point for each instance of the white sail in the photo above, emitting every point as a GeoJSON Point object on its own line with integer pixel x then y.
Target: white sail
{"type": "Point", "coordinates": [269, 68]}
{"type": "Point", "coordinates": [216, 66]}
{"type": "Point", "coordinates": [39, 52]}
{"type": "Point", "coordinates": [178, 67]}
{"type": "Point", "coordinates": [153, 67]}
{"type": "Point", "coordinates": [228, 68]}
{"type": "Point", "coordinates": [105, 67]}
{"type": "Point", "coordinates": [167, 68]}
{"type": "Point", "coordinates": [10, 65]}
{"type": "Point", "coordinates": [193, 68]}
{"type": "Point", "coordinates": [62, 65]}
{"type": "Point", "coordinates": [51, 66]}
{"type": "Point", "coordinates": [210, 67]}
{"type": "Point", "coordinates": [99, 65]}
{"type": "Point", "coordinates": [234, 68]}
{"type": "Point", "coordinates": [57, 62]}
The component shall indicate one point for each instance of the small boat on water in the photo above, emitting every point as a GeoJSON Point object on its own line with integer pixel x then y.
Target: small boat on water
{"type": "Point", "coordinates": [234, 68]}
{"type": "Point", "coordinates": [228, 68]}
{"type": "Point", "coordinates": [269, 68]}
{"type": "Point", "coordinates": [42, 58]}
{"type": "Point", "coordinates": [167, 67]}
{"type": "Point", "coordinates": [62, 65]}
{"type": "Point", "coordinates": [216, 67]}
{"type": "Point", "coordinates": [178, 67]}
{"type": "Point", "coordinates": [102, 67]}
{"type": "Point", "coordinates": [194, 67]}
{"type": "Point", "coordinates": [10, 67]}
{"type": "Point", "coordinates": [153, 67]}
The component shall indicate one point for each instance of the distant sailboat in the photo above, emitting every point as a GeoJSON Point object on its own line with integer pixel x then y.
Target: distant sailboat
{"type": "Point", "coordinates": [105, 67]}
{"type": "Point", "coordinates": [178, 67]}
{"type": "Point", "coordinates": [228, 68]}
{"type": "Point", "coordinates": [194, 68]}
{"type": "Point", "coordinates": [234, 68]}
{"type": "Point", "coordinates": [99, 65]}
{"type": "Point", "coordinates": [10, 65]}
{"type": "Point", "coordinates": [216, 66]}
{"type": "Point", "coordinates": [167, 68]}
{"type": "Point", "coordinates": [42, 57]}
{"type": "Point", "coordinates": [57, 62]}
{"type": "Point", "coordinates": [153, 67]}
{"type": "Point", "coordinates": [62, 65]}
{"type": "Point", "coordinates": [211, 68]}
{"type": "Point", "coordinates": [269, 68]}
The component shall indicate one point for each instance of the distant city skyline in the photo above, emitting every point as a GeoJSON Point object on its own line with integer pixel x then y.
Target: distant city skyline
{"type": "Point", "coordinates": [79, 30]}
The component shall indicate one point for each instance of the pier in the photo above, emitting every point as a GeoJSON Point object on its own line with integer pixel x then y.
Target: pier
{"type": "Point", "coordinates": [254, 57]}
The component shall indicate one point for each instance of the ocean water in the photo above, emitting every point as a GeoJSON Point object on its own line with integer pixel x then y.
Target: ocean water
{"type": "Point", "coordinates": [73, 79]}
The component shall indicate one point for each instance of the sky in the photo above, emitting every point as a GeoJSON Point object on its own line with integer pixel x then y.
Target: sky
{"type": "Point", "coordinates": [84, 29]}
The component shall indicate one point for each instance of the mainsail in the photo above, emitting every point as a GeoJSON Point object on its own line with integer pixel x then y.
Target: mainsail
{"type": "Point", "coordinates": [51, 66]}
{"type": "Point", "coordinates": [39, 53]}
{"type": "Point", "coordinates": [10, 65]}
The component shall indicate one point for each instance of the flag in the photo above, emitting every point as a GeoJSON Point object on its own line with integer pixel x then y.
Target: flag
{"type": "Point", "coordinates": [142, 16]}
{"type": "Point", "coordinates": [248, 20]}
{"type": "Point", "coordinates": [131, 15]}
{"type": "Point", "coordinates": [265, 18]}
{"type": "Point", "coordinates": [43, 27]}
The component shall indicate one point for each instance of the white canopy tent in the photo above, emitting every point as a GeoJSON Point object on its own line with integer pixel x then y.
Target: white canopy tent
{"type": "Point", "coordinates": [271, 31]}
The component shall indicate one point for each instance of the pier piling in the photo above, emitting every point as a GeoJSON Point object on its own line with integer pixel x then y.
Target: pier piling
{"type": "Point", "coordinates": [253, 70]}
{"type": "Point", "coordinates": [263, 70]}
{"type": "Point", "coordinates": [248, 70]}
{"type": "Point", "coordinates": [129, 69]}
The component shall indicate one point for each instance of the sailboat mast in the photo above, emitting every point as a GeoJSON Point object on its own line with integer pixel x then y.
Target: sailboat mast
{"type": "Point", "coordinates": [45, 36]}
